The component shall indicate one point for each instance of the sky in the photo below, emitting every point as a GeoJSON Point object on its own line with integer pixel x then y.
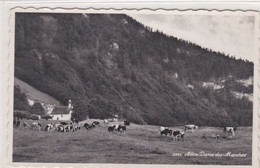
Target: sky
{"type": "Point", "coordinates": [232, 35]}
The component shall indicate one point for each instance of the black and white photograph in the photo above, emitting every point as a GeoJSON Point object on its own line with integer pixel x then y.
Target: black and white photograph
{"type": "Point", "coordinates": [134, 87]}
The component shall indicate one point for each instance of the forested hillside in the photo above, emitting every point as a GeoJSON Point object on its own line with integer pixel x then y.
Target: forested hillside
{"type": "Point", "coordinates": [111, 64]}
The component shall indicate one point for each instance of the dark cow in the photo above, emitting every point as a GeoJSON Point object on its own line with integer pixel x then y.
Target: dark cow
{"type": "Point", "coordinates": [178, 134]}
{"type": "Point", "coordinates": [126, 123]}
{"type": "Point", "coordinates": [165, 131]}
{"type": "Point", "coordinates": [68, 128]}
{"type": "Point", "coordinates": [63, 123]}
{"type": "Point", "coordinates": [87, 126]}
{"type": "Point", "coordinates": [121, 129]}
{"type": "Point", "coordinates": [49, 127]}
{"type": "Point", "coordinates": [116, 126]}
{"type": "Point", "coordinates": [94, 123]}
{"type": "Point", "coordinates": [230, 131]}
{"type": "Point", "coordinates": [76, 128]}
{"type": "Point", "coordinates": [111, 128]}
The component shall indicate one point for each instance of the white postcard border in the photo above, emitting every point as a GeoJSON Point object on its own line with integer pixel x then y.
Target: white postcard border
{"type": "Point", "coordinates": [125, 10]}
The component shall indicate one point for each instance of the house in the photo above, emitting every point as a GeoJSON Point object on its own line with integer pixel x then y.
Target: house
{"type": "Point", "coordinates": [62, 112]}
{"type": "Point", "coordinates": [115, 118]}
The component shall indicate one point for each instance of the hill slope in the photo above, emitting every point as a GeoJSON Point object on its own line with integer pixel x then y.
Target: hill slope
{"type": "Point", "coordinates": [34, 94]}
{"type": "Point", "coordinates": [111, 64]}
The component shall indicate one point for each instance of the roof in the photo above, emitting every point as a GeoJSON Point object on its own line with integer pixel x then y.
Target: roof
{"type": "Point", "coordinates": [60, 110]}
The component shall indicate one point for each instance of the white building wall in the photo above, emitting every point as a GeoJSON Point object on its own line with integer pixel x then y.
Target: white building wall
{"type": "Point", "coordinates": [61, 116]}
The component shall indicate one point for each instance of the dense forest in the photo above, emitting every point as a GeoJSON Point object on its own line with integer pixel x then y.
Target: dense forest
{"type": "Point", "coordinates": [111, 64]}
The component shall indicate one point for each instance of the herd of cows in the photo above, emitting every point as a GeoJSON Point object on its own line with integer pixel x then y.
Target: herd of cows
{"type": "Point", "coordinates": [177, 135]}
{"type": "Point", "coordinates": [75, 126]}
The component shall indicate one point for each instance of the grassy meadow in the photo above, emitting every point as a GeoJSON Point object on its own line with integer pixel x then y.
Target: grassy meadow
{"type": "Point", "coordinates": [142, 144]}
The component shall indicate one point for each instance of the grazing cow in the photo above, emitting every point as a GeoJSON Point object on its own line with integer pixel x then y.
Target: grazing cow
{"type": "Point", "coordinates": [57, 126]}
{"type": "Point", "coordinates": [87, 126]}
{"type": "Point", "coordinates": [94, 123]}
{"type": "Point", "coordinates": [25, 124]}
{"type": "Point", "coordinates": [178, 134]}
{"type": "Point", "coordinates": [61, 129]}
{"type": "Point", "coordinates": [36, 125]}
{"type": "Point", "coordinates": [75, 121]}
{"type": "Point", "coordinates": [49, 127]}
{"type": "Point", "coordinates": [165, 131]}
{"type": "Point", "coordinates": [121, 129]}
{"type": "Point", "coordinates": [190, 127]}
{"type": "Point", "coordinates": [126, 123]}
{"type": "Point", "coordinates": [163, 128]}
{"type": "Point", "coordinates": [230, 130]}
{"type": "Point", "coordinates": [111, 128]}
{"type": "Point", "coordinates": [76, 128]}
{"type": "Point", "coordinates": [63, 123]}
{"type": "Point", "coordinates": [116, 126]}
{"type": "Point", "coordinates": [106, 121]}
{"type": "Point", "coordinates": [68, 128]}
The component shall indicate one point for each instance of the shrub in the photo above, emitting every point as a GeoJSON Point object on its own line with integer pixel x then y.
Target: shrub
{"type": "Point", "coordinates": [21, 114]}
{"type": "Point", "coordinates": [46, 117]}
{"type": "Point", "coordinates": [34, 117]}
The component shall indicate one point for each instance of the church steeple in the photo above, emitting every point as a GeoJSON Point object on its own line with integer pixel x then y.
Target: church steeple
{"type": "Point", "coordinates": [69, 104]}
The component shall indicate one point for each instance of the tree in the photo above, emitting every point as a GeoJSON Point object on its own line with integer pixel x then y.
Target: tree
{"type": "Point", "coordinates": [20, 100]}
{"type": "Point", "coordinates": [37, 109]}
{"type": "Point", "coordinates": [97, 107]}
{"type": "Point", "coordinates": [80, 110]}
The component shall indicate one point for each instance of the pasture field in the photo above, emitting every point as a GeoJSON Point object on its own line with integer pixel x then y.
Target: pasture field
{"type": "Point", "coordinates": [142, 144]}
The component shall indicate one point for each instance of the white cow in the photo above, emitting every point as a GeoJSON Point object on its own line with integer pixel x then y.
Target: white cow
{"type": "Point", "coordinates": [49, 127]}
{"type": "Point", "coordinates": [230, 130]}
{"type": "Point", "coordinates": [190, 127]}
{"type": "Point", "coordinates": [105, 121]}
{"type": "Point", "coordinates": [36, 125]}
{"type": "Point", "coordinates": [178, 134]}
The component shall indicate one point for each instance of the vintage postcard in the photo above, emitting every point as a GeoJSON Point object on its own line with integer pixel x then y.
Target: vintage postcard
{"type": "Point", "coordinates": [133, 88]}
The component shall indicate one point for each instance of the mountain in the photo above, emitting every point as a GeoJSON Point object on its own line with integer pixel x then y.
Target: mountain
{"type": "Point", "coordinates": [111, 64]}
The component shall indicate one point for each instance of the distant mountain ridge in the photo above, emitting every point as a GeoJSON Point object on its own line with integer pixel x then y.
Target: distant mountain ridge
{"type": "Point", "coordinates": [111, 64]}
